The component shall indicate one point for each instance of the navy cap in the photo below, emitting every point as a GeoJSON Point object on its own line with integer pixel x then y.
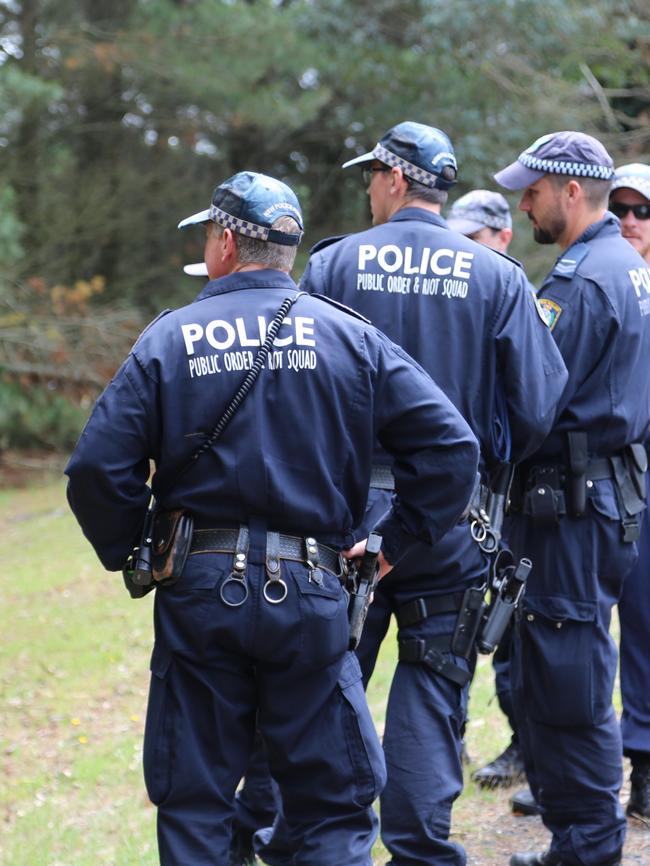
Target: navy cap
{"type": "Point", "coordinates": [424, 154]}
{"type": "Point", "coordinates": [478, 209]}
{"type": "Point", "coordinates": [575, 154]}
{"type": "Point", "coordinates": [249, 203]}
{"type": "Point", "coordinates": [635, 175]}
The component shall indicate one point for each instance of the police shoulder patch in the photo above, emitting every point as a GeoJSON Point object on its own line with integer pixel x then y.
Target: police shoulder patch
{"type": "Point", "coordinates": [340, 306]}
{"type": "Point", "coordinates": [549, 311]}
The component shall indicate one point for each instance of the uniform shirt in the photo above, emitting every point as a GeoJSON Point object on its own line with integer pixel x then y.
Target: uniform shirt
{"type": "Point", "coordinates": [465, 312]}
{"type": "Point", "coordinates": [597, 299]}
{"type": "Point", "coordinates": [297, 454]}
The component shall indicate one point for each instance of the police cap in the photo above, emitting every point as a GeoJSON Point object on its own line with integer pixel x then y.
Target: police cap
{"type": "Point", "coordinates": [478, 209]}
{"type": "Point", "coordinates": [574, 154]}
{"type": "Point", "coordinates": [635, 175]}
{"type": "Point", "coordinates": [424, 154]}
{"type": "Point", "coordinates": [249, 203]}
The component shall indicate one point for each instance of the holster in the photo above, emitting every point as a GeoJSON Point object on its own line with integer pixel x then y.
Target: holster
{"type": "Point", "coordinates": [172, 538]}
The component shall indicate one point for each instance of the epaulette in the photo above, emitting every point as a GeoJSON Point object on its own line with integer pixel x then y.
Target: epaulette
{"type": "Point", "coordinates": [325, 242]}
{"type": "Point", "coordinates": [568, 264]}
{"type": "Point", "coordinates": [153, 321]}
{"type": "Point", "coordinates": [341, 306]}
{"type": "Point", "coordinates": [509, 257]}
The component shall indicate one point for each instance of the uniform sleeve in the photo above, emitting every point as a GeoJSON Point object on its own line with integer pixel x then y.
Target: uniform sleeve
{"type": "Point", "coordinates": [584, 332]}
{"type": "Point", "coordinates": [434, 451]}
{"type": "Point", "coordinates": [531, 370]}
{"type": "Point", "coordinates": [109, 467]}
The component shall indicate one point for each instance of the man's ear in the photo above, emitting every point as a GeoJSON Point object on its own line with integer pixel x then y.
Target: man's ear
{"type": "Point", "coordinates": [229, 245]}
{"type": "Point", "coordinates": [398, 180]}
{"type": "Point", "coordinates": [573, 191]}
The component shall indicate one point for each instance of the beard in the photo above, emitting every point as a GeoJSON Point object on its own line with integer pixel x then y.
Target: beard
{"type": "Point", "coordinates": [549, 233]}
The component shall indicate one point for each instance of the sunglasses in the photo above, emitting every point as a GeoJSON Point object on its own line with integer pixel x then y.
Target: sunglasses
{"type": "Point", "coordinates": [640, 211]}
{"type": "Point", "coordinates": [367, 173]}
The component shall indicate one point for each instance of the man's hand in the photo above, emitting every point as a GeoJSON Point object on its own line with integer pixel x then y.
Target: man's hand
{"type": "Point", "coordinates": [359, 549]}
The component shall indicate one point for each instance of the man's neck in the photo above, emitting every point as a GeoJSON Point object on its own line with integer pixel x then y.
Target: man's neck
{"type": "Point", "coordinates": [419, 202]}
{"type": "Point", "coordinates": [578, 227]}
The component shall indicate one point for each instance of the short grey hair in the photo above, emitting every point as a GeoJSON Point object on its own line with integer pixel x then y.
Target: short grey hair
{"type": "Point", "coordinates": [424, 192]}
{"type": "Point", "coordinates": [255, 251]}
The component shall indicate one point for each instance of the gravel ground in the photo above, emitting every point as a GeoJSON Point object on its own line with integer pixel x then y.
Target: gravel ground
{"type": "Point", "coordinates": [495, 833]}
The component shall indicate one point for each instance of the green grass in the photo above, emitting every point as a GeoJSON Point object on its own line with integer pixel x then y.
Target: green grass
{"type": "Point", "coordinates": [73, 685]}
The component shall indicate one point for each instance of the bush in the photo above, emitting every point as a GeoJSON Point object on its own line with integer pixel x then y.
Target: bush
{"type": "Point", "coordinates": [35, 417]}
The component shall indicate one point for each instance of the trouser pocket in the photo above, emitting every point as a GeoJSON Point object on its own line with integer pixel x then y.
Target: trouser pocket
{"type": "Point", "coordinates": [366, 756]}
{"type": "Point", "coordinates": [563, 682]}
{"type": "Point", "coordinates": [158, 729]}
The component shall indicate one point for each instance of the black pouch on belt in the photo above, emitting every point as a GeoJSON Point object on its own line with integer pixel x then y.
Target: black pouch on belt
{"type": "Point", "coordinates": [172, 537]}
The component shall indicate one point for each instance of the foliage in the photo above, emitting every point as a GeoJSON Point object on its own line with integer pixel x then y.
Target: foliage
{"type": "Point", "coordinates": [37, 418]}
{"type": "Point", "coordinates": [118, 117]}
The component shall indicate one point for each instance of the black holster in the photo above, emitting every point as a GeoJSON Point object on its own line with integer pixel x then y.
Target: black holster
{"type": "Point", "coordinates": [172, 538]}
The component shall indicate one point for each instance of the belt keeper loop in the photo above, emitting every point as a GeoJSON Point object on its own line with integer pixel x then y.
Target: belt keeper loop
{"type": "Point", "coordinates": [272, 561]}
{"type": "Point", "coordinates": [312, 558]}
{"type": "Point", "coordinates": [240, 560]}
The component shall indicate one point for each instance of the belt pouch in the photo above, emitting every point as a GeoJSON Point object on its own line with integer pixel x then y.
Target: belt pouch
{"type": "Point", "coordinates": [172, 537]}
{"type": "Point", "coordinates": [577, 446]}
{"type": "Point", "coordinates": [468, 622]}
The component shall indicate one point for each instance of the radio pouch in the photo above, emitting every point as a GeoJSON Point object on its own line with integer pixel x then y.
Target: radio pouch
{"type": "Point", "coordinates": [172, 538]}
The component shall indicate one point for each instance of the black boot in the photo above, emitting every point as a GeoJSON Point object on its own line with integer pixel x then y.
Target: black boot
{"type": "Point", "coordinates": [505, 770]}
{"type": "Point", "coordinates": [639, 802]}
{"type": "Point", "coordinates": [523, 803]}
{"type": "Point", "coordinates": [542, 858]}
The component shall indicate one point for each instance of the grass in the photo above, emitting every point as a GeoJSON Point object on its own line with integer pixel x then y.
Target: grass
{"type": "Point", "coordinates": [73, 686]}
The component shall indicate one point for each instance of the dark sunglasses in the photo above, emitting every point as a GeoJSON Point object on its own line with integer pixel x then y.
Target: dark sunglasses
{"type": "Point", "coordinates": [367, 173]}
{"type": "Point", "coordinates": [640, 211]}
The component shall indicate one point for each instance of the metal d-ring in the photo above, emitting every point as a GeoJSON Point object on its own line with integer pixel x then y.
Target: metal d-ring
{"type": "Point", "coordinates": [239, 584]}
{"type": "Point", "coordinates": [478, 531]}
{"type": "Point", "coordinates": [277, 581]}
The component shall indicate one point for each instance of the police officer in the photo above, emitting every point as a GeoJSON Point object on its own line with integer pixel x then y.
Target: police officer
{"type": "Point", "coordinates": [630, 201]}
{"type": "Point", "coordinates": [579, 499]}
{"type": "Point", "coordinates": [256, 624]}
{"type": "Point", "coordinates": [468, 316]}
{"type": "Point", "coordinates": [484, 216]}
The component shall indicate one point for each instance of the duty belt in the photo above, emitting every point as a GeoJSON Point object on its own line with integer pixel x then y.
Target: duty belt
{"type": "Point", "coordinates": [431, 652]}
{"type": "Point", "coordinates": [290, 547]}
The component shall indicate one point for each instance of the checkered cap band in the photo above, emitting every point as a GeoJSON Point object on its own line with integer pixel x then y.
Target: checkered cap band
{"type": "Point", "coordinates": [243, 227]}
{"type": "Point", "coordinates": [413, 171]}
{"type": "Point", "coordinates": [558, 166]}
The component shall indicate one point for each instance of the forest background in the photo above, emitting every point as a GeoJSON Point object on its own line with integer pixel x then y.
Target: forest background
{"type": "Point", "coordinates": [118, 118]}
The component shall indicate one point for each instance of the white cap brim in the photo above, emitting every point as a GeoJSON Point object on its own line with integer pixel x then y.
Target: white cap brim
{"type": "Point", "coordinates": [200, 269]}
{"type": "Point", "coordinates": [202, 216]}
{"type": "Point", "coordinates": [366, 157]}
{"type": "Point", "coordinates": [465, 227]}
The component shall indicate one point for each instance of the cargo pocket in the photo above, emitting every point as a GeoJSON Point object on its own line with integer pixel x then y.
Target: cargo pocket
{"type": "Point", "coordinates": [157, 753]}
{"type": "Point", "coordinates": [325, 633]}
{"type": "Point", "coordinates": [366, 756]}
{"type": "Point", "coordinates": [559, 645]}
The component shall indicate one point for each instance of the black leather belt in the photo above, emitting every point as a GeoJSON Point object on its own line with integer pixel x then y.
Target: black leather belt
{"type": "Point", "coordinates": [422, 608]}
{"type": "Point", "coordinates": [291, 547]}
{"type": "Point", "coordinates": [382, 477]}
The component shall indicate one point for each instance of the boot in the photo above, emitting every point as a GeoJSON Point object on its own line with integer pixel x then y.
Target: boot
{"type": "Point", "coordinates": [523, 803]}
{"type": "Point", "coordinates": [505, 770]}
{"type": "Point", "coordinates": [241, 849]}
{"type": "Point", "coordinates": [639, 803]}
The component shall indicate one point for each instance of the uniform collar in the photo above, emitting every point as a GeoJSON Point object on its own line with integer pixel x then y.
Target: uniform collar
{"type": "Point", "coordinates": [418, 213]}
{"type": "Point", "coordinates": [608, 225]}
{"type": "Point", "coordinates": [264, 279]}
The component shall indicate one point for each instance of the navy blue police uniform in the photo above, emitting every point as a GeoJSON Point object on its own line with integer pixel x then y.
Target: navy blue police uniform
{"type": "Point", "coordinates": [274, 501]}
{"type": "Point", "coordinates": [468, 315]}
{"type": "Point", "coordinates": [577, 513]}
{"type": "Point", "coordinates": [634, 604]}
